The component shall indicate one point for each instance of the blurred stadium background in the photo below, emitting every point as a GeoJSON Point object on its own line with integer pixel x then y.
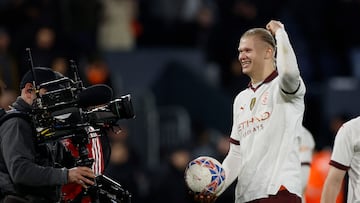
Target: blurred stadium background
{"type": "Point", "coordinates": [178, 60]}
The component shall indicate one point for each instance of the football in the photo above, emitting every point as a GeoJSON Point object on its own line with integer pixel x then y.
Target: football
{"type": "Point", "coordinates": [205, 174]}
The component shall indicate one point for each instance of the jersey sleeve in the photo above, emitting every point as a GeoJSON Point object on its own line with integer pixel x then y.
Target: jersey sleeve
{"type": "Point", "coordinates": [286, 63]}
{"type": "Point", "coordinates": [231, 165]}
{"type": "Point", "coordinates": [307, 146]}
{"type": "Point", "coordinates": [343, 150]}
{"type": "Point", "coordinates": [232, 161]}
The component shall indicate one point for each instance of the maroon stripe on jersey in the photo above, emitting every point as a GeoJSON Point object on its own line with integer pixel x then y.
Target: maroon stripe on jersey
{"type": "Point", "coordinates": [305, 164]}
{"type": "Point", "coordinates": [233, 141]}
{"type": "Point", "coordinates": [268, 79]}
{"type": "Point", "coordinates": [281, 196]}
{"type": "Point", "coordinates": [292, 92]}
{"type": "Point", "coordinates": [271, 76]}
{"type": "Point", "coordinates": [339, 166]}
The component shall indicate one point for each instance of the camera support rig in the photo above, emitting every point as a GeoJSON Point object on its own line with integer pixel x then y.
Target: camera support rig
{"type": "Point", "coordinates": [105, 189]}
{"type": "Point", "coordinates": [58, 115]}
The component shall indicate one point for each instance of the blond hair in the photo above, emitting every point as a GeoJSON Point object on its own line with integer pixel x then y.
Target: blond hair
{"type": "Point", "coordinates": [263, 34]}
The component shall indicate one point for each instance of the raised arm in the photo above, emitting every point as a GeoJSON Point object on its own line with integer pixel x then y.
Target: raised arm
{"type": "Point", "coordinates": [286, 62]}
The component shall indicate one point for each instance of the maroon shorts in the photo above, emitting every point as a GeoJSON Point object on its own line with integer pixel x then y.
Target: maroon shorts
{"type": "Point", "coordinates": [282, 196]}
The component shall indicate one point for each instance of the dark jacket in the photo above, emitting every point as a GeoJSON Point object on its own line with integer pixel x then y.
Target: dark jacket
{"type": "Point", "coordinates": [28, 169]}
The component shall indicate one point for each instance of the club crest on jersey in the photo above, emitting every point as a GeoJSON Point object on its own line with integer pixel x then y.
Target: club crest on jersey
{"type": "Point", "coordinates": [252, 103]}
{"type": "Point", "coordinates": [265, 98]}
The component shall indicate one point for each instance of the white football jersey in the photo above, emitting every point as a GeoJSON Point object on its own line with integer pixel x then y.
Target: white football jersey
{"type": "Point", "coordinates": [307, 146]}
{"type": "Point", "coordinates": [346, 156]}
{"type": "Point", "coordinates": [264, 154]}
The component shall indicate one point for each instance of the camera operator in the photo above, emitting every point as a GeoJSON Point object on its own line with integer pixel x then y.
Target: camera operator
{"type": "Point", "coordinates": [28, 171]}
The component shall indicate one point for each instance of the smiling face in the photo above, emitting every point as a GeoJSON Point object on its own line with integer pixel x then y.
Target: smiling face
{"type": "Point", "coordinates": [256, 55]}
{"type": "Point", "coordinates": [251, 55]}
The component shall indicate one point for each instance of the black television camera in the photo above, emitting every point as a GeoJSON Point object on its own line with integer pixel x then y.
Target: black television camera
{"type": "Point", "coordinates": [67, 109]}
{"type": "Point", "coordinates": [67, 119]}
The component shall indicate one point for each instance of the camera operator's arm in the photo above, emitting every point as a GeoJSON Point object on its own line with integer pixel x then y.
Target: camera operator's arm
{"type": "Point", "coordinates": [18, 149]}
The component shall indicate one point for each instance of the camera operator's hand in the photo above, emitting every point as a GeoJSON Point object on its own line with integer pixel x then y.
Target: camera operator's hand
{"type": "Point", "coordinates": [81, 175]}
